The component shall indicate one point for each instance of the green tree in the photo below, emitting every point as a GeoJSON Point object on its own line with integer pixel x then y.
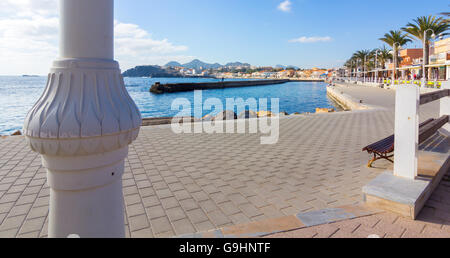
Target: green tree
{"type": "Point", "coordinates": [422, 29]}
{"type": "Point", "coordinates": [396, 39]}
{"type": "Point", "coordinates": [384, 55]}
{"type": "Point", "coordinates": [363, 58]}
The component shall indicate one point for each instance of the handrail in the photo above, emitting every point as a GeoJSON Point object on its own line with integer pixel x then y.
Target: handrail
{"type": "Point", "coordinates": [428, 130]}
{"type": "Point", "coordinates": [433, 96]}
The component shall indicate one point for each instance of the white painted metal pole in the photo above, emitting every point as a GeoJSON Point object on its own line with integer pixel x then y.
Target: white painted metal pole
{"type": "Point", "coordinates": [82, 125]}
{"type": "Point", "coordinates": [376, 67]}
{"type": "Point", "coordinates": [364, 67]}
{"type": "Point", "coordinates": [407, 104]}
{"type": "Point", "coordinates": [87, 29]}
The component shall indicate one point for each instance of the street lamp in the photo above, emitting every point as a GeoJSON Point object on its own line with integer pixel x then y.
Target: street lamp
{"type": "Point", "coordinates": [353, 70]}
{"type": "Point", "coordinates": [358, 75]}
{"type": "Point", "coordinates": [425, 50]}
{"type": "Point", "coordinates": [364, 69]}
{"type": "Point", "coordinates": [376, 65]}
{"type": "Point", "coordinates": [395, 61]}
{"type": "Point", "coordinates": [82, 125]}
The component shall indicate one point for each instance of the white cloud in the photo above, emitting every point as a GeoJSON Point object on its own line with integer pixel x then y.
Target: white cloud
{"type": "Point", "coordinates": [29, 40]}
{"type": "Point", "coordinates": [285, 6]}
{"type": "Point", "coordinates": [135, 46]}
{"type": "Point", "coordinates": [311, 39]}
{"type": "Point", "coordinates": [27, 8]}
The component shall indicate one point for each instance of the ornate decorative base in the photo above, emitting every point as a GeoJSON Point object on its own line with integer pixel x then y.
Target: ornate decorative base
{"type": "Point", "coordinates": [86, 105]}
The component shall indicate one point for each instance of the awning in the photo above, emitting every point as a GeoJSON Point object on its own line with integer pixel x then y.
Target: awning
{"type": "Point", "coordinates": [437, 65]}
{"type": "Point", "coordinates": [410, 68]}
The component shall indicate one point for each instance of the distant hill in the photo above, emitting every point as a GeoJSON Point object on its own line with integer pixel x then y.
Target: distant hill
{"type": "Point", "coordinates": [173, 64]}
{"type": "Point", "coordinates": [150, 71]}
{"type": "Point", "coordinates": [197, 64]}
{"type": "Point", "coordinates": [287, 67]}
{"type": "Point", "coordinates": [237, 64]}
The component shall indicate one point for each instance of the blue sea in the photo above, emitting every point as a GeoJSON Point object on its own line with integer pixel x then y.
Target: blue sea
{"type": "Point", "coordinates": [18, 94]}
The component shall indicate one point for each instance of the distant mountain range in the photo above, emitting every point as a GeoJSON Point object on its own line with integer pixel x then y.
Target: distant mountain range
{"type": "Point", "coordinates": [237, 64]}
{"type": "Point", "coordinates": [169, 71]}
{"type": "Point", "coordinates": [287, 67]}
{"type": "Point", "coordinates": [197, 64]}
{"type": "Point", "coordinates": [150, 71]}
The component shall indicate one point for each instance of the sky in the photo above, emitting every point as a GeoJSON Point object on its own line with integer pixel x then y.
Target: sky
{"type": "Point", "coordinates": [304, 33]}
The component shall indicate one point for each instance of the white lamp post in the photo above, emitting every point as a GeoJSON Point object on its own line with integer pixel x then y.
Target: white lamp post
{"type": "Point", "coordinates": [357, 69]}
{"type": "Point", "coordinates": [425, 50]}
{"type": "Point", "coordinates": [376, 66]}
{"type": "Point", "coordinates": [396, 47]}
{"type": "Point", "coordinates": [83, 123]}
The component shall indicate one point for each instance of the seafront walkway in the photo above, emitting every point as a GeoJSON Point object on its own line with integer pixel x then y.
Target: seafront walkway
{"type": "Point", "coordinates": [178, 184]}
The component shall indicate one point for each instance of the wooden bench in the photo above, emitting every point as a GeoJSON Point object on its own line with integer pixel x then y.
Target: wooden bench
{"type": "Point", "coordinates": [384, 149]}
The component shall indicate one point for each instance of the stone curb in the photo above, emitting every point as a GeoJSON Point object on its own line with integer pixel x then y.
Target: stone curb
{"type": "Point", "coordinates": [345, 100]}
{"type": "Point", "coordinates": [287, 223]}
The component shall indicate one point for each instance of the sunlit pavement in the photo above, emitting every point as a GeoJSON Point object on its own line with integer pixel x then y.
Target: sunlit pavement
{"type": "Point", "coordinates": [177, 184]}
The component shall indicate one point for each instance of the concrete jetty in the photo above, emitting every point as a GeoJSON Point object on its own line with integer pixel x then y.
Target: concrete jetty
{"type": "Point", "coordinates": [158, 88]}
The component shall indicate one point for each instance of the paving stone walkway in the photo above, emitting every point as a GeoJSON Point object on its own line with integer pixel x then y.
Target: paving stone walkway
{"type": "Point", "coordinates": [433, 222]}
{"type": "Point", "coordinates": [177, 184]}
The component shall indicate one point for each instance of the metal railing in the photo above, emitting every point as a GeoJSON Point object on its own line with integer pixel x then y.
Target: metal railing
{"type": "Point", "coordinates": [386, 81]}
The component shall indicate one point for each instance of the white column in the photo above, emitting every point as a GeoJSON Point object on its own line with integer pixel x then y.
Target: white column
{"type": "Point", "coordinates": [445, 107]}
{"type": "Point", "coordinates": [82, 125]}
{"type": "Point", "coordinates": [407, 104]}
{"type": "Point", "coordinates": [87, 29]}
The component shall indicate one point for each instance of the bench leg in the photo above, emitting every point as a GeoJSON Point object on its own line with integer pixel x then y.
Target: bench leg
{"type": "Point", "coordinates": [375, 158]}
{"type": "Point", "coordinates": [372, 161]}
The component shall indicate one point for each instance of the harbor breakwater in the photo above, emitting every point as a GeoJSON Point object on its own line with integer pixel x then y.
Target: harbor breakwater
{"type": "Point", "coordinates": [158, 88]}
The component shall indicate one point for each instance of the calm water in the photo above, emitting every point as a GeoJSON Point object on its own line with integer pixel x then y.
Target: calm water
{"type": "Point", "coordinates": [18, 94]}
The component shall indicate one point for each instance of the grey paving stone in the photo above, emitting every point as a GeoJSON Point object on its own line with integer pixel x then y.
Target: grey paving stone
{"type": "Point", "coordinates": [138, 222]}
{"type": "Point", "coordinates": [32, 225]}
{"type": "Point", "coordinates": [175, 214]}
{"type": "Point", "coordinates": [161, 225]}
{"type": "Point", "coordinates": [324, 216]}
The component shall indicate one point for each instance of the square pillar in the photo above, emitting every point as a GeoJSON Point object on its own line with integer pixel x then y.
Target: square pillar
{"type": "Point", "coordinates": [407, 104]}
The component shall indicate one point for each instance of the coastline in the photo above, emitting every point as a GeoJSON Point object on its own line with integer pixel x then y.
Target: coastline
{"type": "Point", "coordinates": [347, 102]}
{"type": "Point", "coordinates": [138, 89]}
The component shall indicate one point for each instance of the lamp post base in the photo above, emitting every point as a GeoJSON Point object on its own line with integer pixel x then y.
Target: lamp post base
{"type": "Point", "coordinates": [87, 200]}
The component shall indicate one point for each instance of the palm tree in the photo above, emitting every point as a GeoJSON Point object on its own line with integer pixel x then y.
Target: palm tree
{"type": "Point", "coordinates": [447, 20]}
{"type": "Point", "coordinates": [396, 39]}
{"type": "Point", "coordinates": [384, 55]}
{"type": "Point", "coordinates": [350, 64]}
{"type": "Point", "coordinates": [422, 29]}
{"type": "Point", "coordinates": [364, 57]}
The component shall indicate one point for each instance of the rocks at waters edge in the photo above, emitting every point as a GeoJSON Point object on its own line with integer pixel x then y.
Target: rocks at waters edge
{"type": "Point", "coordinates": [324, 110]}
{"type": "Point", "coordinates": [17, 133]}
{"type": "Point", "coordinates": [248, 114]}
{"type": "Point", "coordinates": [208, 118]}
{"type": "Point", "coordinates": [225, 115]}
{"type": "Point", "coordinates": [265, 114]}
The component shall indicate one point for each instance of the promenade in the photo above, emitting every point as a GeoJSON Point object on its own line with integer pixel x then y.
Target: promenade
{"type": "Point", "coordinates": [176, 184]}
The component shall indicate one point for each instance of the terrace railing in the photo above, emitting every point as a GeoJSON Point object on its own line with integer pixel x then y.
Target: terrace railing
{"type": "Point", "coordinates": [407, 106]}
